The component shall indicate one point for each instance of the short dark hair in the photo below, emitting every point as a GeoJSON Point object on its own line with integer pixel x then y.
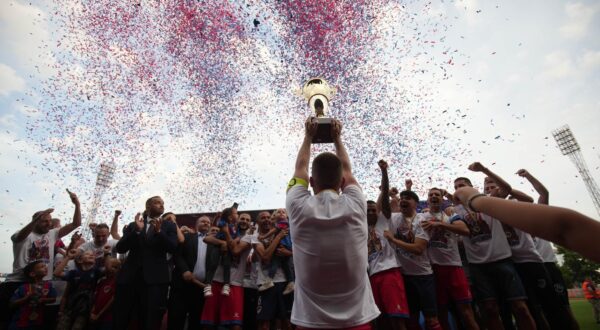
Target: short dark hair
{"type": "Point", "coordinates": [327, 170]}
{"type": "Point", "coordinates": [149, 200]}
{"type": "Point", "coordinates": [370, 202]}
{"type": "Point", "coordinates": [102, 226]}
{"type": "Point", "coordinates": [168, 213]}
{"type": "Point", "coordinates": [464, 179]}
{"type": "Point", "coordinates": [435, 188]}
{"type": "Point", "coordinates": [410, 194]}
{"type": "Point", "coordinates": [227, 212]}
{"type": "Point", "coordinates": [29, 268]}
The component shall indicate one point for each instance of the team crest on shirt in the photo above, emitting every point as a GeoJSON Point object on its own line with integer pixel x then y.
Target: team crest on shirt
{"type": "Point", "coordinates": [39, 249]}
{"type": "Point", "coordinates": [479, 230]}
{"type": "Point", "coordinates": [511, 235]}
{"type": "Point", "coordinates": [374, 244]}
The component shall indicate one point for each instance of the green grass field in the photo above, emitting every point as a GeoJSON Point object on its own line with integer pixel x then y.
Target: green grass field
{"type": "Point", "coordinates": [584, 314]}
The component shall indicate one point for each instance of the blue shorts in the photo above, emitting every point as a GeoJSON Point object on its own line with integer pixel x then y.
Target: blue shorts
{"type": "Point", "coordinates": [420, 292]}
{"type": "Point", "coordinates": [496, 280]}
{"type": "Point", "coordinates": [272, 304]}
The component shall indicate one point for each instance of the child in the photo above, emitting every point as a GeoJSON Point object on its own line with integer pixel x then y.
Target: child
{"type": "Point", "coordinates": [101, 314]}
{"type": "Point", "coordinates": [29, 299]}
{"type": "Point", "coordinates": [77, 301]}
{"type": "Point", "coordinates": [286, 263]}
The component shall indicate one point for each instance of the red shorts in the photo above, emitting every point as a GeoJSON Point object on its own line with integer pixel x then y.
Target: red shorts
{"type": "Point", "coordinates": [389, 293]}
{"type": "Point", "coordinates": [358, 327]}
{"type": "Point", "coordinates": [451, 283]}
{"type": "Point", "coordinates": [223, 310]}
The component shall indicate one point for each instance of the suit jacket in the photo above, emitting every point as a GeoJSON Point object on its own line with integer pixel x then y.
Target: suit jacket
{"type": "Point", "coordinates": [147, 256]}
{"type": "Point", "coordinates": [185, 259]}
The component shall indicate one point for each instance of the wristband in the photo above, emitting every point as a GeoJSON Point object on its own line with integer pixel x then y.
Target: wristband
{"type": "Point", "coordinates": [296, 181]}
{"type": "Point", "coordinates": [471, 199]}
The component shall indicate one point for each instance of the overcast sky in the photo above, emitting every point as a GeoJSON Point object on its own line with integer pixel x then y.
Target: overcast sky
{"type": "Point", "coordinates": [532, 67]}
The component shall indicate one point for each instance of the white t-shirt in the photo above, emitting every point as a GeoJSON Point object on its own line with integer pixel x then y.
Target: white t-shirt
{"type": "Point", "coordinates": [33, 247]}
{"type": "Point", "coordinates": [443, 244]}
{"type": "Point", "coordinates": [329, 232]}
{"type": "Point", "coordinates": [238, 266]}
{"type": "Point", "coordinates": [99, 250]}
{"type": "Point", "coordinates": [382, 255]}
{"type": "Point", "coordinates": [487, 241]}
{"type": "Point", "coordinates": [521, 245]}
{"type": "Point", "coordinates": [545, 249]}
{"type": "Point", "coordinates": [262, 271]}
{"type": "Point", "coordinates": [251, 273]}
{"type": "Point", "coordinates": [408, 230]}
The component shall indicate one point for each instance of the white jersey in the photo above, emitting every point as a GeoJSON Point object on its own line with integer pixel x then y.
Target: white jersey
{"type": "Point", "coordinates": [486, 241]}
{"type": "Point", "coordinates": [443, 244]}
{"type": "Point", "coordinates": [33, 247]}
{"type": "Point", "coordinates": [329, 232]}
{"type": "Point", "coordinates": [99, 250]}
{"type": "Point", "coordinates": [545, 249]}
{"type": "Point", "coordinates": [238, 266]}
{"type": "Point", "coordinates": [408, 230]}
{"type": "Point", "coordinates": [521, 245]}
{"type": "Point", "coordinates": [382, 255]}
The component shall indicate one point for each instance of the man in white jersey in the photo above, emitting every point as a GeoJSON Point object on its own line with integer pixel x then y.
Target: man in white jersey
{"type": "Point", "coordinates": [450, 280]}
{"type": "Point", "coordinates": [411, 240]}
{"type": "Point", "coordinates": [100, 244]}
{"type": "Point", "coordinates": [544, 304]}
{"type": "Point", "coordinates": [35, 241]}
{"type": "Point", "coordinates": [329, 234]}
{"type": "Point", "coordinates": [384, 269]}
{"type": "Point", "coordinates": [493, 275]}
{"type": "Point", "coordinates": [221, 309]}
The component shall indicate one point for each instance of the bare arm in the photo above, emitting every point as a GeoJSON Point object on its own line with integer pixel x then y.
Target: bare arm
{"type": "Point", "coordinates": [66, 229]}
{"type": "Point", "coordinates": [340, 150]}
{"type": "Point", "coordinates": [301, 168]}
{"type": "Point", "coordinates": [418, 247]}
{"type": "Point", "coordinates": [478, 167]}
{"type": "Point", "coordinates": [24, 232]}
{"type": "Point", "coordinates": [537, 185]}
{"type": "Point", "coordinates": [266, 254]}
{"type": "Point", "coordinates": [521, 196]}
{"type": "Point", "coordinates": [456, 227]}
{"type": "Point", "coordinates": [384, 196]}
{"type": "Point", "coordinates": [114, 227]}
{"type": "Point", "coordinates": [562, 226]}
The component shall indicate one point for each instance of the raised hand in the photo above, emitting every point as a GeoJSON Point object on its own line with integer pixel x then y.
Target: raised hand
{"type": "Point", "coordinates": [336, 129]}
{"type": "Point", "coordinates": [476, 167]}
{"type": "Point", "coordinates": [71, 254]}
{"type": "Point", "coordinates": [393, 192]}
{"type": "Point", "coordinates": [73, 197]}
{"type": "Point", "coordinates": [117, 213]}
{"type": "Point", "coordinates": [408, 183]}
{"type": "Point", "coordinates": [383, 165]}
{"type": "Point", "coordinates": [139, 222]}
{"type": "Point", "coordinates": [523, 173]}
{"type": "Point", "coordinates": [310, 126]}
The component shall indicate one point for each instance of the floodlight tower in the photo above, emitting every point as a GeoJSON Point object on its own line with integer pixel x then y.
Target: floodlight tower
{"type": "Point", "coordinates": [103, 181]}
{"type": "Point", "coordinates": [569, 147]}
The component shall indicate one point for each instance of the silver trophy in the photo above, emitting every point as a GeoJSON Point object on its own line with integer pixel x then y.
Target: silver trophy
{"type": "Point", "coordinates": [318, 93]}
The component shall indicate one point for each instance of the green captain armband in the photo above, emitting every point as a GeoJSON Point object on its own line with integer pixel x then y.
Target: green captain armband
{"type": "Point", "coordinates": [296, 182]}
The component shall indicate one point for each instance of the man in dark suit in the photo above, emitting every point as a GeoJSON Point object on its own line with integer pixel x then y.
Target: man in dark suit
{"type": "Point", "coordinates": [186, 298]}
{"type": "Point", "coordinates": [143, 282]}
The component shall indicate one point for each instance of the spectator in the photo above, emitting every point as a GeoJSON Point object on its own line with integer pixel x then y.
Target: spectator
{"type": "Point", "coordinates": [592, 296]}
{"type": "Point", "coordinates": [101, 314]}
{"type": "Point", "coordinates": [30, 298]}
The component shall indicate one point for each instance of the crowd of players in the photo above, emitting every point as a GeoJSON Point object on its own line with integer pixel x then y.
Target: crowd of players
{"type": "Point", "coordinates": [445, 266]}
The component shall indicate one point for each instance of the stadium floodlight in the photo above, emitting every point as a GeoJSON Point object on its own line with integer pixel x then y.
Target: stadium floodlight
{"type": "Point", "coordinates": [103, 181]}
{"type": "Point", "coordinates": [569, 147]}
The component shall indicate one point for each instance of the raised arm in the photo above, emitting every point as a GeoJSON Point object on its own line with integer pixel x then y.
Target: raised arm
{"type": "Point", "coordinates": [418, 247]}
{"type": "Point", "coordinates": [303, 158]}
{"type": "Point", "coordinates": [521, 196]}
{"type": "Point", "coordinates": [562, 226]}
{"type": "Point", "coordinates": [537, 185]}
{"type": "Point", "coordinates": [478, 167]}
{"type": "Point", "coordinates": [340, 150]}
{"type": "Point", "coordinates": [66, 229]}
{"type": "Point", "coordinates": [114, 227]}
{"type": "Point", "coordinates": [384, 196]}
{"type": "Point", "coordinates": [25, 231]}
